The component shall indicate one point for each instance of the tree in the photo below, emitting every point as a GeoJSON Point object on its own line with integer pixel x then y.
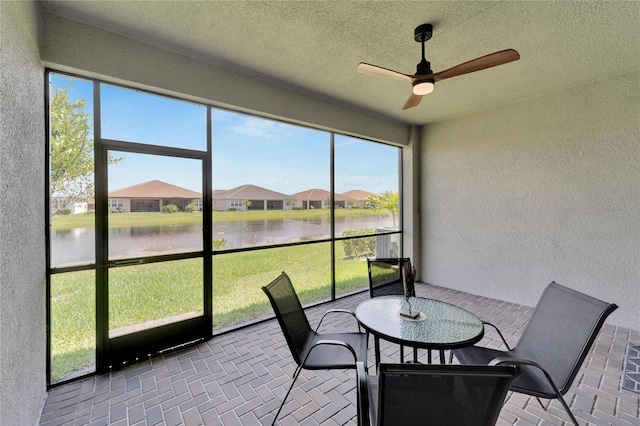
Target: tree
{"type": "Point", "coordinates": [385, 201]}
{"type": "Point", "coordinates": [247, 204]}
{"type": "Point", "coordinates": [72, 162]}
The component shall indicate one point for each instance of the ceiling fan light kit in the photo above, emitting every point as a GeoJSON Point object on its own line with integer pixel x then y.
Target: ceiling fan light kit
{"type": "Point", "coordinates": [423, 81]}
{"type": "Point", "coordinates": [423, 87]}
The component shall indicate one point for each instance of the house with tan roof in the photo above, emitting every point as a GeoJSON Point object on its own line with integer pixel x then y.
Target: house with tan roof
{"type": "Point", "coordinates": [151, 197]}
{"type": "Point", "coordinates": [359, 197]}
{"type": "Point", "coordinates": [251, 197]}
{"type": "Point", "coordinates": [319, 199]}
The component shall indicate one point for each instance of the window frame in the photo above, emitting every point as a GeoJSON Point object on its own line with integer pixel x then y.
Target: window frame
{"type": "Point", "coordinates": [332, 239]}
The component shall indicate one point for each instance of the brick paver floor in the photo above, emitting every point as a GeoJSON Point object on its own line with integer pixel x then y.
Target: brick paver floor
{"type": "Point", "coordinates": [240, 377]}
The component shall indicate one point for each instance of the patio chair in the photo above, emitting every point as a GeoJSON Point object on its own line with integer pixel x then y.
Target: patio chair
{"type": "Point", "coordinates": [385, 278]}
{"type": "Point", "coordinates": [553, 345]}
{"type": "Point", "coordinates": [311, 350]}
{"type": "Point", "coordinates": [424, 394]}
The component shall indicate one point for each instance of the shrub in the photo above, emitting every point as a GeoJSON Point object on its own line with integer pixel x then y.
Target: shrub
{"type": "Point", "coordinates": [219, 243]}
{"type": "Point", "coordinates": [231, 209]}
{"type": "Point", "coordinates": [359, 247]}
{"type": "Point", "coordinates": [190, 208]}
{"type": "Point", "coordinates": [64, 212]}
{"type": "Point", "coordinates": [169, 208]}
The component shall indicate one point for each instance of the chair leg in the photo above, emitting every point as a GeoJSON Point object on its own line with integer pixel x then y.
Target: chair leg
{"type": "Point", "coordinates": [564, 404]}
{"type": "Point", "coordinates": [566, 408]}
{"type": "Point", "coordinates": [295, 376]}
{"type": "Point", "coordinates": [541, 404]}
{"type": "Point", "coordinates": [401, 354]}
{"type": "Point", "coordinates": [415, 355]}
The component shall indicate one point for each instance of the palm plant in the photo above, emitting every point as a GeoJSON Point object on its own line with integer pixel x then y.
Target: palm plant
{"type": "Point", "coordinates": [385, 201]}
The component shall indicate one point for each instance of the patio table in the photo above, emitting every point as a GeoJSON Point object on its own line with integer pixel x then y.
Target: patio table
{"type": "Point", "coordinates": [440, 326]}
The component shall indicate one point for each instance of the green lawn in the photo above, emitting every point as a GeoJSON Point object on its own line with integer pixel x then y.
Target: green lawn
{"type": "Point", "coordinates": [145, 292]}
{"type": "Point", "coordinates": [116, 220]}
{"type": "Point", "coordinates": [142, 293]}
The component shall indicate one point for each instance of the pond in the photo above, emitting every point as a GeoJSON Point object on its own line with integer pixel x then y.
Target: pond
{"type": "Point", "coordinates": [77, 246]}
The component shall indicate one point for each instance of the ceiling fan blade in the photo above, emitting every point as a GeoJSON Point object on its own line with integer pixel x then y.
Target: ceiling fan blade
{"type": "Point", "coordinates": [383, 72]}
{"type": "Point", "coordinates": [481, 63]}
{"type": "Point", "coordinates": [413, 101]}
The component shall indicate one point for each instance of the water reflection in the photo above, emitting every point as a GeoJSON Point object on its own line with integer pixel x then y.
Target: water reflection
{"type": "Point", "coordinates": [78, 245]}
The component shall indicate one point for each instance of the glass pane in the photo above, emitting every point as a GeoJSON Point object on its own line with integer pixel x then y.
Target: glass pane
{"type": "Point", "coordinates": [73, 325]}
{"type": "Point", "coordinates": [351, 255]}
{"type": "Point", "coordinates": [132, 116]}
{"type": "Point", "coordinates": [237, 287]}
{"type": "Point", "coordinates": [147, 296]}
{"type": "Point", "coordinates": [367, 186]}
{"type": "Point", "coordinates": [270, 181]}
{"type": "Point", "coordinates": [351, 271]}
{"type": "Point", "coordinates": [71, 171]}
{"type": "Point", "coordinates": [155, 205]}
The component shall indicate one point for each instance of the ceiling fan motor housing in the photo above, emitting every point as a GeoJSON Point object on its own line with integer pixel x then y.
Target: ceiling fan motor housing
{"type": "Point", "coordinates": [424, 68]}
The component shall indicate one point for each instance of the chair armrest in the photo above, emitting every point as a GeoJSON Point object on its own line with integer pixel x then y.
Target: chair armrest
{"type": "Point", "coordinates": [499, 333]}
{"type": "Point", "coordinates": [521, 361]}
{"type": "Point", "coordinates": [337, 311]}
{"type": "Point", "coordinates": [331, 342]}
{"type": "Point", "coordinates": [362, 392]}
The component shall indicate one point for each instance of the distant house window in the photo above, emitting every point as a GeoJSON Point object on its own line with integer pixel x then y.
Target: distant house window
{"type": "Point", "coordinates": [60, 203]}
{"type": "Point", "coordinates": [237, 203]}
{"type": "Point", "coordinates": [116, 203]}
{"type": "Point", "coordinates": [198, 203]}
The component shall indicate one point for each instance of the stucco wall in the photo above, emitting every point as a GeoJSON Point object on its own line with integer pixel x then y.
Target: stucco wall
{"type": "Point", "coordinates": [541, 190]}
{"type": "Point", "coordinates": [22, 251]}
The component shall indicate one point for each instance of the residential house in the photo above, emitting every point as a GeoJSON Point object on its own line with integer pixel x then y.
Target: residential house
{"type": "Point", "coordinates": [59, 204]}
{"type": "Point", "coordinates": [320, 199]}
{"type": "Point", "coordinates": [152, 196]}
{"type": "Point", "coordinates": [251, 197]}
{"type": "Point", "coordinates": [359, 197]}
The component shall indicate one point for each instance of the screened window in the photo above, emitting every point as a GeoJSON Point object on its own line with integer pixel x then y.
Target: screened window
{"type": "Point", "coordinates": [135, 116]}
{"type": "Point", "coordinates": [213, 203]}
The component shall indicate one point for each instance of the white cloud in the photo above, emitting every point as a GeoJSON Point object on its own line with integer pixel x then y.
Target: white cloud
{"type": "Point", "coordinates": [259, 127]}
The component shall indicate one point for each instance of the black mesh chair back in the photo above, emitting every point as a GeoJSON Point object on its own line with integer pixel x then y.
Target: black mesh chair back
{"type": "Point", "coordinates": [385, 276]}
{"type": "Point", "coordinates": [441, 395]}
{"type": "Point", "coordinates": [312, 350]}
{"type": "Point", "coordinates": [553, 345]}
{"type": "Point", "coordinates": [561, 332]}
{"type": "Point", "coordinates": [291, 317]}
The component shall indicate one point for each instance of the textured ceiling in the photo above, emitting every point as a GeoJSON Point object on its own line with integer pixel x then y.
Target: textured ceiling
{"type": "Point", "coordinates": [314, 47]}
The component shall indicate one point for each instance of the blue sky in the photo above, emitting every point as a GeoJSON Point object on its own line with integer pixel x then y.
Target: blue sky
{"type": "Point", "coordinates": [246, 149]}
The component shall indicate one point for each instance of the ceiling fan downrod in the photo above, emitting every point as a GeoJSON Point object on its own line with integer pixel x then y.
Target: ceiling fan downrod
{"type": "Point", "coordinates": [421, 35]}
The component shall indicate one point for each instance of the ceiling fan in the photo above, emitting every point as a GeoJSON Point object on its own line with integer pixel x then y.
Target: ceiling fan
{"type": "Point", "coordinates": [424, 80]}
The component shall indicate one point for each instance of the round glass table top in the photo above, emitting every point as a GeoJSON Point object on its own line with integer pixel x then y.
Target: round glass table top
{"type": "Point", "coordinates": [441, 325]}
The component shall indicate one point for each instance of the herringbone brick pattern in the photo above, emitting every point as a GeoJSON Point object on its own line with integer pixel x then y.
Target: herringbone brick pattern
{"type": "Point", "coordinates": [239, 378]}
